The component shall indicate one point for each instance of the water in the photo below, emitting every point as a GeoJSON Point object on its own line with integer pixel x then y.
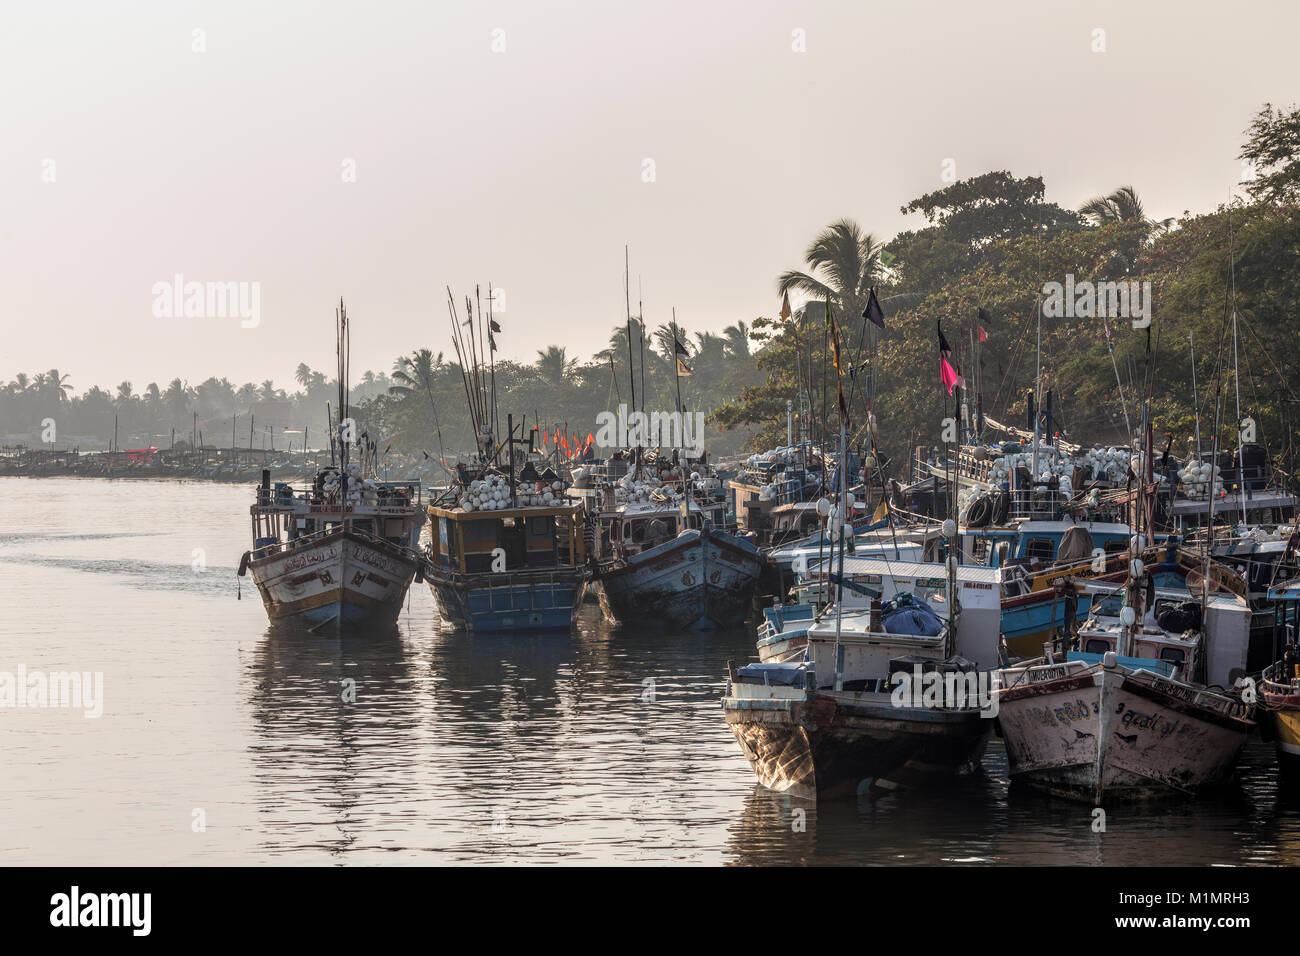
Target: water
{"type": "Point", "coordinates": [522, 749]}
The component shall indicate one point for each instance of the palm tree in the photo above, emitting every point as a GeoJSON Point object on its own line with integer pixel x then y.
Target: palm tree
{"type": "Point", "coordinates": [268, 392]}
{"type": "Point", "coordinates": [844, 263]}
{"type": "Point", "coordinates": [1122, 205]}
{"type": "Point", "coordinates": [54, 384]}
{"type": "Point", "coordinates": [417, 370]}
{"type": "Point", "coordinates": [177, 398]}
{"type": "Point", "coordinates": [554, 367]}
{"type": "Point", "coordinates": [736, 338]}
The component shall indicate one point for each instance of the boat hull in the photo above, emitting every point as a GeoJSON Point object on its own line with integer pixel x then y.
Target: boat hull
{"type": "Point", "coordinates": [699, 580]}
{"type": "Point", "coordinates": [339, 581]}
{"type": "Point", "coordinates": [836, 745]}
{"type": "Point", "coordinates": [1027, 621]}
{"type": "Point", "coordinates": [1119, 735]}
{"type": "Point", "coordinates": [1282, 712]}
{"type": "Point", "coordinates": [509, 601]}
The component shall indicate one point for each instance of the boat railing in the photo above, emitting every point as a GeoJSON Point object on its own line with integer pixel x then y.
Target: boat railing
{"type": "Point", "coordinates": [505, 582]}
{"type": "Point", "coordinates": [1040, 504]}
{"type": "Point", "coordinates": [305, 540]}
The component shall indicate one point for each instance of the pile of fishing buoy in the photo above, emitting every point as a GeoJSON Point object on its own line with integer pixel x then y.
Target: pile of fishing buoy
{"type": "Point", "coordinates": [1197, 477]}
{"type": "Point", "coordinates": [1059, 467]}
{"type": "Point", "coordinates": [1110, 464]}
{"type": "Point", "coordinates": [630, 490]}
{"type": "Point", "coordinates": [361, 491]}
{"type": "Point", "coordinates": [492, 493]}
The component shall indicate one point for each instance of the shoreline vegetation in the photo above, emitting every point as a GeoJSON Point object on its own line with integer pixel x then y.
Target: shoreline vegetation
{"type": "Point", "coordinates": [979, 265]}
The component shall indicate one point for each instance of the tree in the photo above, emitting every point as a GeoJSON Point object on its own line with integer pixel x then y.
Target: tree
{"type": "Point", "coordinates": [966, 221]}
{"type": "Point", "coordinates": [554, 367]}
{"type": "Point", "coordinates": [1273, 154]}
{"type": "Point", "coordinates": [844, 264]}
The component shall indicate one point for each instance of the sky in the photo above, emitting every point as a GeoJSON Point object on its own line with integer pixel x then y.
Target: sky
{"type": "Point", "coordinates": [383, 151]}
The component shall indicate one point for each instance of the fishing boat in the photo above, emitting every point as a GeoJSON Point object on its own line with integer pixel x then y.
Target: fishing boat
{"type": "Point", "coordinates": [507, 550]}
{"type": "Point", "coordinates": [341, 552]}
{"type": "Point", "coordinates": [1133, 714]}
{"type": "Point", "coordinates": [1279, 685]}
{"type": "Point", "coordinates": [338, 553]}
{"type": "Point", "coordinates": [848, 719]}
{"type": "Point", "coordinates": [673, 562]}
{"type": "Point", "coordinates": [504, 555]}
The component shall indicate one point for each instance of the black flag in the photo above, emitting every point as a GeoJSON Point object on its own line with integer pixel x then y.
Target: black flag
{"type": "Point", "coordinates": [874, 313]}
{"type": "Point", "coordinates": [945, 350]}
{"type": "Point", "coordinates": [679, 348]}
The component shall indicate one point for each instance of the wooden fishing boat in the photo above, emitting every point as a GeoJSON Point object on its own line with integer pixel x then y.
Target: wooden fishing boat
{"type": "Point", "coordinates": [339, 553]}
{"type": "Point", "coordinates": [521, 566]}
{"type": "Point", "coordinates": [834, 725]}
{"type": "Point", "coordinates": [674, 564]}
{"type": "Point", "coordinates": [1101, 724]}
{"type": "Point", "coordinates": [1117, 729]}
{"type": "Point", "coordinates": [1279, 685]}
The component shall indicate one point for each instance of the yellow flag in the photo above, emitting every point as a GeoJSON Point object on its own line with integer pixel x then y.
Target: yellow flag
{"type": "Point", "coordinates": [882, 511]}
{"type": "Point", "coordinates": [785, 306]}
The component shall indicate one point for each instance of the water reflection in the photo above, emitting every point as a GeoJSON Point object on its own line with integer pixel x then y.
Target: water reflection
{"type": "Point", "coordinates": [600, 746]}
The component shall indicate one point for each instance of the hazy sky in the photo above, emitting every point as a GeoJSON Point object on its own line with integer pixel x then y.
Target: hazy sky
{"type": "Point", "coordinates": [526, 167]}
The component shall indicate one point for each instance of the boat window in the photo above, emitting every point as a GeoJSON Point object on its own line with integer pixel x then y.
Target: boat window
{"type": "Point", "coordinates": [1110, 607]}
{"type": "Point", "coordinates": [1097, 646]}
{"type": "Point", "coordinates": [1040, 548]}
{"type": "Point", "coordinates": [1174, 655]}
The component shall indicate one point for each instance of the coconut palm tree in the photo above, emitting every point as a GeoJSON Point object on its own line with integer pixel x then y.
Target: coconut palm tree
{"type": "Point", "coordinates": [844, 264]}
{"type": "Point", "coordinates": [554, 367]}
{"type": "Point", "coordinates": [419, 370]}
{"type": "Point", "coordinates": [1122, 205]}
{"type": "Point", "coordinates": [736, 338]}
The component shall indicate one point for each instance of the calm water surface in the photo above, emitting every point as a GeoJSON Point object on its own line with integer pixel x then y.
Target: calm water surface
{"type": "Point", "coordinates": [522, 749]}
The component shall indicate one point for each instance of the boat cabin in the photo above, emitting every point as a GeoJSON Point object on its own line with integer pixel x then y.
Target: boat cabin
{"type": "Point", "coordinates": [512, 539]}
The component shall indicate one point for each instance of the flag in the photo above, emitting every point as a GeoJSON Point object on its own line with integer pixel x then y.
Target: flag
{"type": "Point", "coordinates": [947, 374]}
{"type": "Point", "coordinates": [874, 313]}
{"type": "Point", "coordinates": [683, 369]}
{"type": "Point", "coordinates": [545, 437]}
{"type": "Point", "coordinates": [494, 325]}
{"type": "Point", "coordinates": [678, 348]}
{"type": "Point", "coordinates": [882, 511]}
{"type": "Point", "coordinates": [839, 382]}
{"type": "Point", "coordinates": [591, 439]}
{"type": "Point", "coordinates": [564, 440]}
{"type": "Point", "coordinates": [835, 333]}
{"type": "Point", "coordinates": [785, 306]}
{"type": "Point", "coordinates": [984, 336]}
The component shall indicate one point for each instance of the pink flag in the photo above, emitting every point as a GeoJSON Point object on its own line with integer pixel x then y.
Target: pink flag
{"type": "Point", "coordinates": [947, 374]}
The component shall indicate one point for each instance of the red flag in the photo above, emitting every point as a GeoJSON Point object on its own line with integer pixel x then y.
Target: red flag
{"type": "Point", "coordinates": [984, 336]}
{"type": "Point", "coordinates": [591, 439]}
{"type": "Point", "coordinates": [564, 440]}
